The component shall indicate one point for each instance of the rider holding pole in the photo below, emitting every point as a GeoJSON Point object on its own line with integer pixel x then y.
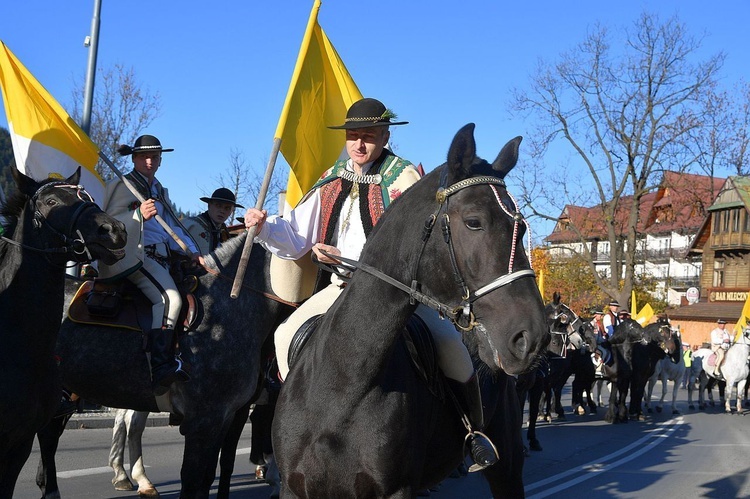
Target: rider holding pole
{"type": "Point", "coordinates": [336, 217]}
{"type": "Point", "coordinates": [146, 261]}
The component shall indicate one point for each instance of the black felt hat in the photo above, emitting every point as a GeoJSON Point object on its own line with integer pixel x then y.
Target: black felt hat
{"type": "Point", "coordinates": [721, 321]}
{"type": "Point", "coordinates": [223, 195]}
{"type": "Point", "coordinates": [143, 143]}
{"type": "Point", "coordinates": [367, 113]}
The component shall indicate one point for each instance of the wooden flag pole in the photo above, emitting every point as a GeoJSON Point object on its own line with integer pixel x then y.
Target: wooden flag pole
{"type": "Point", "coordinates": [141, 199]}
{"type": "Point", "coordinates": [240, 276]}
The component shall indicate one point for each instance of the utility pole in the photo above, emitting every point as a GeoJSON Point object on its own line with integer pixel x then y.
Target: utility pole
{"type": "Point", "coordinates": [92, 43]}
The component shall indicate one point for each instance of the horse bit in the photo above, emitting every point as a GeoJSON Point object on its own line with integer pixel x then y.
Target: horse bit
{"type": "Point", "coordinates": [77, 246]}
{"type": "Point", "coordinates": [461, 316]}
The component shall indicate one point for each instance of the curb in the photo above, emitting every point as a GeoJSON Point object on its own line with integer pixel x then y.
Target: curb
{"type": "Point", "coordinates": [98, 420]}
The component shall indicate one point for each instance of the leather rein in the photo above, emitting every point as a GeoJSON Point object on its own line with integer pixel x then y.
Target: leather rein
{"type": "Point", "coordinates": [76, 246]}
{"type": "Point", "coordinates": [461, 316]}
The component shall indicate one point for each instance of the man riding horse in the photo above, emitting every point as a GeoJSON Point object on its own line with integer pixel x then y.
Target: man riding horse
{"type": "Point", "coordinates": [148, 253]}
{"type": "Point", "coordinates": [720, 343]}
{"type": "Point", "coordinates": [335, 218]}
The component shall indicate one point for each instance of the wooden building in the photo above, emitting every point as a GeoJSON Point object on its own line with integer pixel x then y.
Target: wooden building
{"type": "Point", "coordinates": [723, 244]}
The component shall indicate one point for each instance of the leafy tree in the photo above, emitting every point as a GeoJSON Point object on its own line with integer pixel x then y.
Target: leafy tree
{"type": "Point", "coordinates": [621, 116]}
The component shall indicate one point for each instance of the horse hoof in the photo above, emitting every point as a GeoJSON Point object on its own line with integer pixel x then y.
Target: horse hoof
{"type": "Point", "coordinates": [691, 407]}
{"type": "Point", "coordinates": [561, 417]}
{"type": "Point", "coordinates": [675, 412]}
{"type": "Point", "coordinates": [658, 408]}
{"type": "Point", "coordinates": [148, 492]}
{"type": "Point", "coordinates": [124, 484]}
{"type": "Point", "coordinates": [650, 411]}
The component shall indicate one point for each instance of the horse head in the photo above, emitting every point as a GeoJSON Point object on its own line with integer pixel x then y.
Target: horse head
{"type": "Point", "coordinates": [62, 221]}
{"type": "Point", "coordinates": [480, 260]}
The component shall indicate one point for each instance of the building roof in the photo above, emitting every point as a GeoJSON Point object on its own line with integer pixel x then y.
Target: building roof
{"type": "Point", "coordinates": [679, 204]}
{"type": "Point", "coordinates": [706, 311]}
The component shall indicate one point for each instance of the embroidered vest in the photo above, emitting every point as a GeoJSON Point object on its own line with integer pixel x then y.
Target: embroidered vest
{"type": "Point", "coordinates": [393, 175]}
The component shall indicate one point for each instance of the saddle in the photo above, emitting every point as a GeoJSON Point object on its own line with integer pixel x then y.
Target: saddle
{"type": "Point", "coordinates": [122, 305]}
{"type": "Point", "coordinates": [416, 338]}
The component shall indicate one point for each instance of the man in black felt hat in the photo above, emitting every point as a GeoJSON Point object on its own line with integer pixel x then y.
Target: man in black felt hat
{"type": "Point", "coordinates": [209, 228]}
{"type": "Point", "coordinates": [147, 253]}
{"type": "Point", "coordinates": [336, 216]}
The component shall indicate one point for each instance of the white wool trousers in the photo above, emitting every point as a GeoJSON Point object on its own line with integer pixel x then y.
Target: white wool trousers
{"type": "Point", "coordinates": [159, 287]}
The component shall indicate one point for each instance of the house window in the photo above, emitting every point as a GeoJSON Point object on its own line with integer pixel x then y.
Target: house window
{"type": "Point", "coordinates": [716, 226]}
{"type": "Point", "coordinates": [747, 221]}
{"type": "Point", "coordinates": [736, 220]}
{"type": "Point", "coordinates": [719, 273]}
{"type": "Point", "coordinates": [726, 216]}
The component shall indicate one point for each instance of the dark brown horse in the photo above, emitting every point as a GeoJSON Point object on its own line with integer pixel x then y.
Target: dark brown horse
{"type": "Point", "coordinates": [354, 419]}
{"type": "Point", "coordinates": [51, 222]}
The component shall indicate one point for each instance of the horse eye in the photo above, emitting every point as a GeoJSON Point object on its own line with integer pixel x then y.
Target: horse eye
{"type": "Point", "coordinates": [473, 224]}
{"type": "Point", "coordinates": [51, 202]}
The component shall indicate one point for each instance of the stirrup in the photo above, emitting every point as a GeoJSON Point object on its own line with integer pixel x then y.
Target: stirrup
{"type": "Point", "coordinates": [472, 438]}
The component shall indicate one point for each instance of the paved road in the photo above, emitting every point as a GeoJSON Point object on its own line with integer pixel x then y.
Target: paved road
{"type": "Point", "coordinates": [695, 454]}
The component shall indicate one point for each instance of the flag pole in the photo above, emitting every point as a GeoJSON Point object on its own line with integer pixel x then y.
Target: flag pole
{"type": "Point", "coordinates": [141, 199]}
{"type": "Point", "coordinates": [242, 267]}
{"type": "Point", "coordinates": [248, 247]}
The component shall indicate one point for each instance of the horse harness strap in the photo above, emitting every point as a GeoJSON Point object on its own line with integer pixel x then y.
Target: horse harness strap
{"type": "Point", "coordinates": [462, 317]}
{"type": "Point", "coordinates": [77, 246]}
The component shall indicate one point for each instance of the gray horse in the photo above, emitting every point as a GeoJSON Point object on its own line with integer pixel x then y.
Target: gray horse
{"type": "Point", "coordinates": [108, 365]}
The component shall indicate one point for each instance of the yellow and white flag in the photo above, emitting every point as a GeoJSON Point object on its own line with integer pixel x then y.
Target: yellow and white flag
{"type": "Point", "coordinates": [644, 316]}
{"type": "Point", "coordinates": [742, 320]}
{"type": "Point", "coordinates": [46, 141]}
{"type": "Point", "coordinates": [319, 95]}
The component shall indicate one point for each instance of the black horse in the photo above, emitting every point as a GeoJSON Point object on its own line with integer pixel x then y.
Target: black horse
{"type": "Point", "coordinates": [583, 370]}
{"type": "Point", "coordinates": [544, 384]}
{"type": "Point", "coordinates": [354, 418]}
{"type": "Point", "coordinates": [635, 350]}
{"type": "Point", "coordinates": [51, 222]}
{"type": "Point", "coordinates": [108, 365]}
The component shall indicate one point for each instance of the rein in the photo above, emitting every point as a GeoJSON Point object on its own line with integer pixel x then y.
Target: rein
{"type": "Point", "coordinates": [76, 246]}
{"type": "Point", "coordinates": [461, 316]}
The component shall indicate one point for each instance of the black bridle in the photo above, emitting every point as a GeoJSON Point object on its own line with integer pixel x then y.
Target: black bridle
{"type": "Point", "coordinates": [462, 316]}
{"type": "Point", "coordinates": [75, 246]}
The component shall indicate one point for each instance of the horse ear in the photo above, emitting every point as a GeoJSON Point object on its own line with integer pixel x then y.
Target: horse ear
{"type": "Point", "coordinates": [556, 298]}
{"type": "Point", "coordinates": [26, 185]}
{"type": "Point", "coordinates": [508, 157]}
{"type": "Point", "coordinates": [462, 152]}
{"type": "Point", "coordinates": [75, 178]}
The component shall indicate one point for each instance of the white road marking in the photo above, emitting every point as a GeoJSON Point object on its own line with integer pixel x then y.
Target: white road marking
{"type": "Point", "coordinates": [591, 469]}
{"type": "Point", "coordinates": [106, 469]}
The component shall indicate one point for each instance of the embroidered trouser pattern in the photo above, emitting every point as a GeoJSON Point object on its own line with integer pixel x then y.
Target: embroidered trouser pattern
{"type": "Point", "coordinates": [453, 358]}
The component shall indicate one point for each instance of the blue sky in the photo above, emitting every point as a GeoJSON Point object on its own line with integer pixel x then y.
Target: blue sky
{"type": "Point", "coordinates": [222, 69]}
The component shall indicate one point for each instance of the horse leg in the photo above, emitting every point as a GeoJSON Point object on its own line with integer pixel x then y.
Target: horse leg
{"type": "Point", "coordinates": [12, 461]}
{"type": "Point", "coordinates": [740, 390]}
{"type": "Point", "coordinates": [664, 383]}
{"type": "Point", "coordinates": [535, 395]}
{"type": "Point", "coordinates": [135, 422]}
{"type": "Point", "coordinates": [117, 452]}
{"type": "Point", "coordinates": [49, 438]}
{"type": "Point", "coordinates": [202, 445]}
{"type": "Point", "coordinates": [229, 449]}
{"type": "Point", "coordinates": [649, 392]}
{"type": "Point", "coordinates": [675, 389]}
{"type": "Point", "coordinates": [273, 478]}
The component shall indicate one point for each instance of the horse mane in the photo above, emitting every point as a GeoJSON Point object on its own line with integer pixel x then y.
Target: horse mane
{"type": "Point", "coordinates": [627, 331]}
{"type": "Point", "coordinates": [221, 255]}
{"type": "Point", "coordinates": [12, 209]}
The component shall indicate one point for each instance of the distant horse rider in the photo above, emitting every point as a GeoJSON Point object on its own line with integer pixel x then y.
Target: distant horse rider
{"type": "Point", "coordinates": [601, 353]}
{"type": "Point", "coordinates": [147, 254]}
{"type": "Point", "coordinates": [209, 229]}
{"type": "Point", "coordinates": [720, 343]}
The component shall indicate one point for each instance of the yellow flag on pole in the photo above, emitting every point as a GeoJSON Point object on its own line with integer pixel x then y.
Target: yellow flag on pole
{"type": "Point", "coordinates": [319, 95]}
{"type": "Point", "coordinates": [742, 320]}
{"type": "Point", "coordinates": [45, 139]}
{"type": "Point", "coordinates": [645, 315]}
